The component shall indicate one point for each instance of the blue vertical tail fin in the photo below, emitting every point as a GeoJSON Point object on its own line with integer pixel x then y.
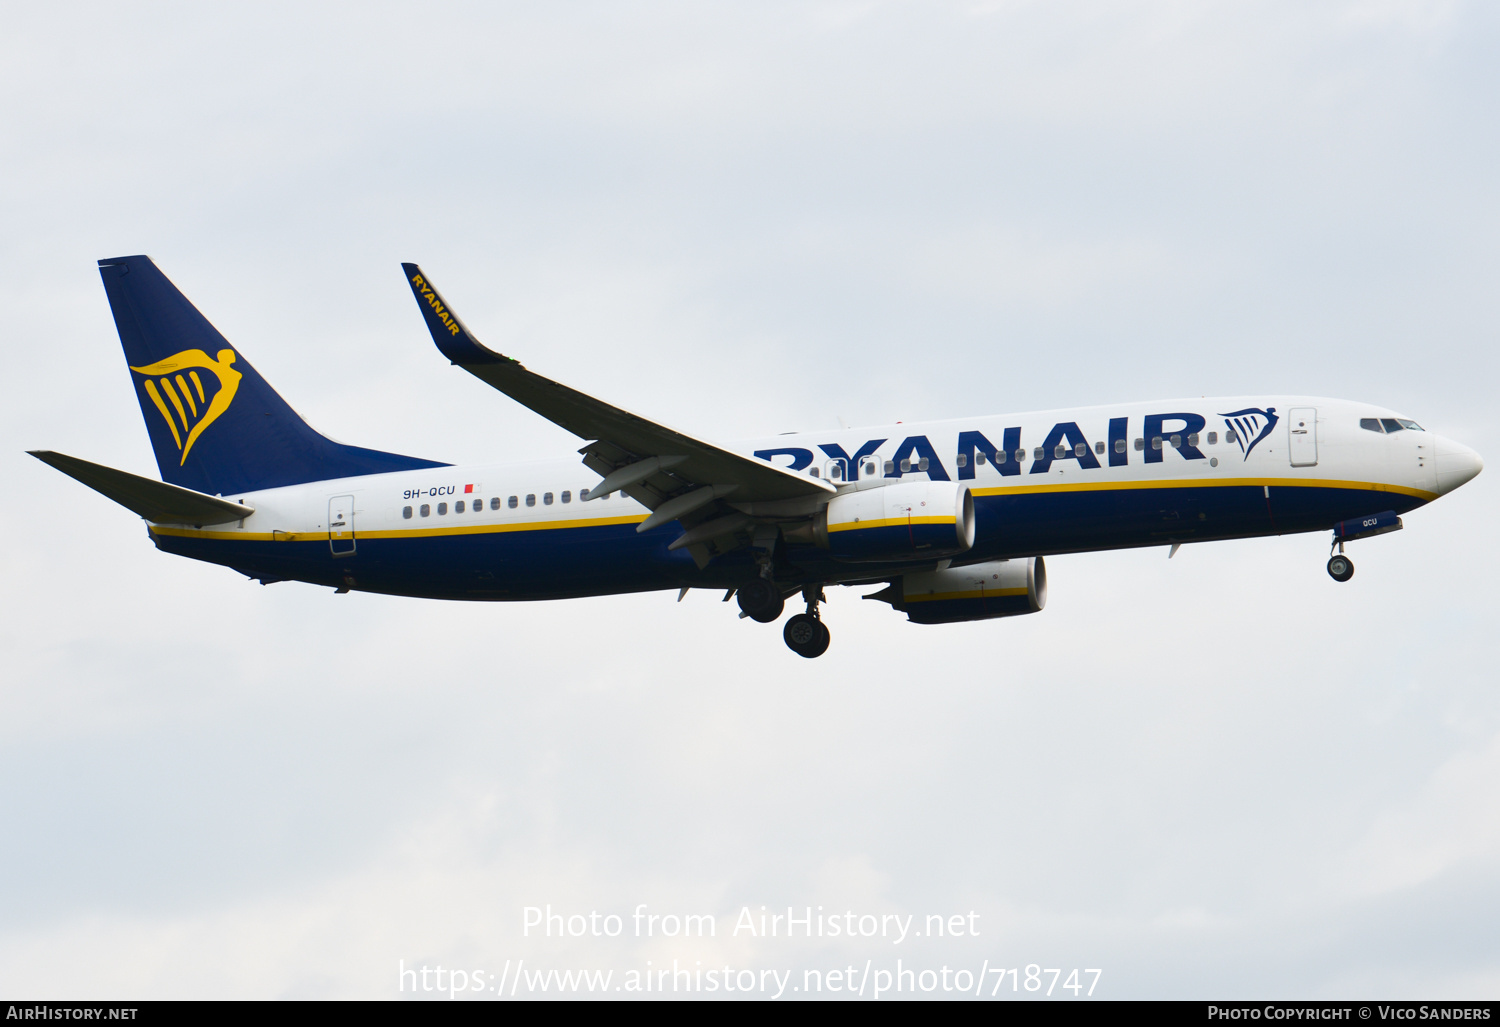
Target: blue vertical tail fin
{"type": "Point", "coordinates": [216, 425]}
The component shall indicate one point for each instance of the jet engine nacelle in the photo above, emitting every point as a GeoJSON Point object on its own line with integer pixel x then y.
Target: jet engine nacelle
{"type": "Point", "coordinates": [915, 520]}
{"type": "Point", "coordinates": [980, 591]}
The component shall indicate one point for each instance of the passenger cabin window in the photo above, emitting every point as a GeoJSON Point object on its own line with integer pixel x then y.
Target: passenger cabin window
{"type": "Point", "coordinates": [406, 512]}
{"type": "Point", "coordinates": [458, 507]}
{"type": "Point", "coordinates": [1176, 441]}
{"type": "Point", "coordinates": [979, 458]}
{"type": "Point", "coordinates": [869, 470]}
{"type": "Point", "coordinates": [531, 499]}
{"type": "Point", "coordinates": [567, 497]}
{"type": "Point", "coordinates": [836, 472]}
{"type": "Point", "coordinates": [905, 466]}
{"type": "Point", "coordinates": [1120, 445]}
{"type": "Point", "coordinates": [813, 471]}
{"type": "Point", "coordinates": [1140, 444]}
{"type": "Point", "coordinates": [1040, 454]}
{"type": "Point", "coordinates": [1193, 439]}
{"type": "Point", "coordinates": [963, 460]}
{"type": "Point", "coordinates": [424, 510]}
{"type": "Point", "coordinates": [583, 494]}
{"type": "Point", "coordinates": [922, 464]}
{"type": "Point", "coordinates": [1213, 438]}
{"type": "Point", "coordinates": [1230, 437]}
{"type": "Point", "coordinates": [495, 503]}
{"type": "Point", "coordinates": [1059, 451]}
{"type": "Point", "coordinates": [1099, 448]}
{"type": "Point", "coordinates": [442, 509]}
{"type": "Point", "coordinates": [1080, 449]}
{"type": "Point", "coordinates": [890, 467]}
{"type": "Point", "coordinates": [1020, 456]}
{"type": "Point", "coordinates": [513, 502]}
{"type": "Point", "coordinates": [546, 499]}
{"type": "Point", "coordinates": [1371, 424]}
{"type": "Point", "coordinates": [1156, 442]}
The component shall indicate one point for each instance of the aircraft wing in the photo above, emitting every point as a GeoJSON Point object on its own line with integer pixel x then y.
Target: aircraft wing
{"type": "Point", "coordinates": [660, 467]}
{"type": "Point", "coordinates": [154, 500]}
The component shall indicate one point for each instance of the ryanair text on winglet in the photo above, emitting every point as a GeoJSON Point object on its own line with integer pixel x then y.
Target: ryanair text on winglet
{"type": "Point", "coordinates": [425, 291]}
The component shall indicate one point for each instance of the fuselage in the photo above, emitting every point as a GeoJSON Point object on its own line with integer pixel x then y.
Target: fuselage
{"type": "Point", "coordinates": [1048, 482]}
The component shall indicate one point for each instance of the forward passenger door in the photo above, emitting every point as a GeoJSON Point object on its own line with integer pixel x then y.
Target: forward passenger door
{"type": "Point", "coordinates": [1302, 429]}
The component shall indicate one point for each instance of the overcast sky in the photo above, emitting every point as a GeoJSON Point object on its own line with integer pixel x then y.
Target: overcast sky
{"type": "Point", "coordinates": [1223, 775]}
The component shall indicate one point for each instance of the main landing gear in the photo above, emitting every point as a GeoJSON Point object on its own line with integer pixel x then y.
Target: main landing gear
{"type": "Point", "coordinates": [760, 600]}
{"type": "Point", "coordinates": [805, 633]}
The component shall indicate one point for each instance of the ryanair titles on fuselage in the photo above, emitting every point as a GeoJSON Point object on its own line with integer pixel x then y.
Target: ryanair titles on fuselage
{"type": "Point", "coordinates": [1181, 431]}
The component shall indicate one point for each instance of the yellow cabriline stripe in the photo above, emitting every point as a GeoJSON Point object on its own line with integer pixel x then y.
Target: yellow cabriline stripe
{"type": "Point", "coordinates": [1193, 483]}
{"type": "Point", "coordinates": [988, 593]}
{"type": "Point", "coordinates": [888, 522]}
{"type": "Point", "coordinates": [465, 529]}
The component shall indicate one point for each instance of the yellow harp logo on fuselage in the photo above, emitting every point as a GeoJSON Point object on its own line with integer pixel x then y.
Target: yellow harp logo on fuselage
{"type": "Point", "coordinates": [176, 387]}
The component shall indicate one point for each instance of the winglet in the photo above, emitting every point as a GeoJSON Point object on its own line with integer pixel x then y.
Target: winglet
{"type": "Point", "coordinates": [452, 336]}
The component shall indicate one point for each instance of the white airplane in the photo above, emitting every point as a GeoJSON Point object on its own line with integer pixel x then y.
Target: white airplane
{"type": "Point", "coordinates": [953, 517]}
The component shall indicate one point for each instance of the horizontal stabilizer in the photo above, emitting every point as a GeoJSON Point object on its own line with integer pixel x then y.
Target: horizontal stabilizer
{"type": "Point", "coordinates": [154, 500]}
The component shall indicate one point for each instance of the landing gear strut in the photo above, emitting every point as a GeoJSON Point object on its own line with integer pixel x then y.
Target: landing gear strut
{"type": "Point", "coordinates": [1340, 567]}
{"type": "Point", "coordinates": [805, 633]}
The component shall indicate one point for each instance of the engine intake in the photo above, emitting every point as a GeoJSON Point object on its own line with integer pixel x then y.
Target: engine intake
{"type": "Point", "coordinates": [980, 591]}
{"type": "Point", "coordinates": [911, 520]}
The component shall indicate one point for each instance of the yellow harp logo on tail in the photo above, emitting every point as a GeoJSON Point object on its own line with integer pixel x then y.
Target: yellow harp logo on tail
{"type": "Point", "coordinates": [176, 387]}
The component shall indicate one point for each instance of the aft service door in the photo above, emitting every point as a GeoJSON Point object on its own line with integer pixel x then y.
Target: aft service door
{"type": "Point", "coordinates": [1302, 426]}
{"type": "Point", "coordinates": [341, 525]}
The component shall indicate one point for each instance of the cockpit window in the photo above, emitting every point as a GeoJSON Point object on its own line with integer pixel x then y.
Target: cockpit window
{"type": "Point", "coordinates": [1371, 424]}
{"type": "Point", "coordinates": [1391, 424]}
{"type": "Point", "coordinates": [1408, 425]}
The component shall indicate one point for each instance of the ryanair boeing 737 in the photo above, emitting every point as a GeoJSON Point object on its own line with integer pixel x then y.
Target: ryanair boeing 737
{"type": "Point", "coordinates": [953, 517]}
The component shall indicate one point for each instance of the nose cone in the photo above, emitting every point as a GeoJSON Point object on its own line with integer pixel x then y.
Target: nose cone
{"type": "Point", "coordinates": [1456, 464]}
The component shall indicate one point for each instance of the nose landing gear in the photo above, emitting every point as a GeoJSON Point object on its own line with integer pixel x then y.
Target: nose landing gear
{"type": "Point", "coordinates": [805, 633]}
{"type": "Point", "coordinates": [1340, 567]}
